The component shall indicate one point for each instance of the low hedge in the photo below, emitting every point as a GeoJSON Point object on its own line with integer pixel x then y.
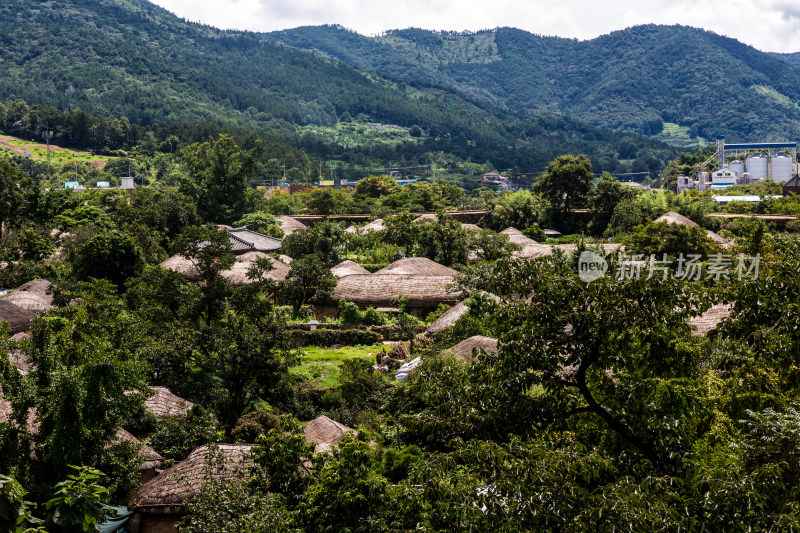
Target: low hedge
{"type": "Point", "coordinates": [329, 337]}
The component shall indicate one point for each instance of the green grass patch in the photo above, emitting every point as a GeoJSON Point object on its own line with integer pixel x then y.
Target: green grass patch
{"type": "Point", "coordinates": [678, 135]}
{"type": "Point", "coordinates": [320, 366]}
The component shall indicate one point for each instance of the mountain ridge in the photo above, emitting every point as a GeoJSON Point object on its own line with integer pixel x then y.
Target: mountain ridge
{"type": "Point", "coordinates": [629, 79]}
{"type": "Point", "coordinates": [130, 58]}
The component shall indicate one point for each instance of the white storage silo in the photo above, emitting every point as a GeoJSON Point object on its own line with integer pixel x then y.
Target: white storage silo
{"type": "Point", "coordinates": [738, 167]}
{"type": "Point", "coordinates": [757, 166]}
{"type": "Point", "coordinates": [781, 167]}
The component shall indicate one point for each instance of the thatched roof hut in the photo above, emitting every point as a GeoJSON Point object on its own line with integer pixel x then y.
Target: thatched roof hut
{"type": "Point", "coordinates": [20, 360]}
{"type": "Point", "coordinates": [348, 268]}
{"type": "Point", "coordinates": [163, 404]}
{"type": "Point", "coordinates": [152, 461]}
{"type": "Point", "coordinates": [676, 218]}
{"type": "Point", "coordinates": [150, 457]}
{"type": "Point", "coordinates": [182, 265]}
{"type": "Point", "coordinates": [517, 237]}
{"type": "Point", "coordinates": [167, 493]}
{"type": "Point", "coordinates": [466, 349]}
{"type": "Point", "coordinates": [375, 225]}
{"type": "Point", "coordinates": [533, 251]}
{"type": "Point", "coordinates": [6, 410]}
{"type": "Point", "coordinates": [418, 266]}
{"type": "Point", "coordinates": [32, 296]}
{"type": "Point", "coordinates": [449, 317]}
{"type": "Point", "coordinates": [427, 217]}
{"type": "Point", "coordinates": [470, 227]}
{"type": "Point", "coordinates": [607, 247]}
{"type": "Point", "coordinates": [237, 274]}
{"type": "Point", "coordinates": [289, 225]}
{"type": "Point", "coordinates": [324, 433]}
{"type": "Point", "coordinates": [18, 318]}
{"type": "Point", "coordinates": [381, 291]}
{"type": "Point", "coordinates": [710, 319]}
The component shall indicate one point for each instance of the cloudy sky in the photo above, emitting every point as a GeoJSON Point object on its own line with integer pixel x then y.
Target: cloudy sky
{"type": "Point", "coordinates": [770, 25]}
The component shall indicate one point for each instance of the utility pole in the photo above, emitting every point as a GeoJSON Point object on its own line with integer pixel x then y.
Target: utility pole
{"type": "Point", "coordinates": [284, 172]}
{"type": "Point", "coordinates": [47, 135]}
{"type": "Point", "coordinates": [320, 171]}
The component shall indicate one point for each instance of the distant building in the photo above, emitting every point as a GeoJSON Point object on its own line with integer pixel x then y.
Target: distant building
{"type": "Point", "coordinates": [501, 182]}
{"type": "Point", "coordinates": [792, 186]}
{"type": "Point", "coordinates": [722, 178]}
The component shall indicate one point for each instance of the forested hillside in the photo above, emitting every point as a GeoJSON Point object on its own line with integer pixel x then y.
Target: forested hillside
{"type": "Point", "coordinates": [131, 59]}
{"type": "Point", "coordinates": [636, 79]}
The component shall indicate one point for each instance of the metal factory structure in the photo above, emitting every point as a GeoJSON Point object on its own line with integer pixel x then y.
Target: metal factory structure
{"type": "Point", "coordinates": [752, 162]}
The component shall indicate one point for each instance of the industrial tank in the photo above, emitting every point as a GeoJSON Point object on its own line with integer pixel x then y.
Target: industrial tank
{"type": "Point", "coordinates": [757, 166]}
{"type": "Point", "coordinates": [781, 167]}
{"type": "Point", "coordinates": [738, 167]}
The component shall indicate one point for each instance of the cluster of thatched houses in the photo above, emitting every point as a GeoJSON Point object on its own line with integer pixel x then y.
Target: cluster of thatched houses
{"type": "Point", "coordinates": [161, 502]}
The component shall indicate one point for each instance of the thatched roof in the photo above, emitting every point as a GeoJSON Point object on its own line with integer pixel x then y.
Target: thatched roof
{"type": "Point", "coordinates": [375, 225]}
{"type": "Point", "coordinates": [150, 458]}
{"type": "Point", "coordinates": [676, 218]}
{"type": "Point", "coordinates": [533, 251]}
{"type": "Point", "coordinates": [163, 404]}
{"type": "Point", "coordinates": [249, 240]}
{"type": "Point", "coordinates": [710, 319]}
{"type": "Point", "coordinates": [470, 227]}
{"type": "Point", "coordinates": [348, 268]}
{"type": "Point", "coordinates": [449, 317]}
{"type": "Point", "coordinates": [237, 274]}
{"type": "Point", "coordinates": [182, 265]}
{"type": "Point", "coordinates": [32, 296]}
{"type": "Point", "coordinates": [18, 319]}
{"type": "Point", "coordinates": [20, 337]}
{"type": "Point", "coordinates": [325, 432]}
{"type": "Point", "coordinates": [286, 259]}
{"type": "Point", "coordinates": [289, 225]}
{"type": "Point", "coordinates": [466, 348]}
{"type": "Point", "coordinates": [420, 266]}
{"type": "Point", "coordinates": [607, 247]}
{"type": "Point", "coordinates": [168, 492]}
{"type": "Point", "coordinates": [382, 290]}
{"type": "Point", "coordinates": [517, 237]}
{"type": "Point", "coordinates": [20, 360]}
{"type": "Point", "coordinates": [6, 410]}
{"type": "Point", "coordinates": [427, 217]}
{"type": "Point", "coordinates": [29, 301]}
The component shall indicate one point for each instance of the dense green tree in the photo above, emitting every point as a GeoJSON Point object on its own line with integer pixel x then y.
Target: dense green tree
{"type": "Point", "coordinates": [12, 193]}
{"type": "Point", "coordinates": [113, 256]}
{"type": "Point", "coordinates": [309, 282]}
{"type": "Point", "coordinates": [217, 177]}
{"type": "Point", "coordinates": [566, 182]}
{"type": "Point", "coordinates": [376, 187]}
{"type": "Point", "coordinates": [325, 239]}
{"type": "Point", "coordinates": [261, 222]}
{"type": "Point", "coordinates": [605, 196]}
{"type": "Point", "coordinates": [444, 241]}
{"type": "Point", "coordinates": [659, 238]}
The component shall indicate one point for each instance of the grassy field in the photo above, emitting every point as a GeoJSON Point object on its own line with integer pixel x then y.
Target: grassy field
{"type": "Point", "coordinates": [58, 155]}
{"type": "Point", "coordinates": [354, 134]}
{"type": "Point", "coordinates": [320, 366]}
{"type": "Point", "coordinates": [679, 136]}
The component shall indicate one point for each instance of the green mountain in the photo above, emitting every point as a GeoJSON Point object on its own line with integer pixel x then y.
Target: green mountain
{"type": "Point", "coordinates": [635, 79]}
{"type": "Point", "coordinates": [129, 58]}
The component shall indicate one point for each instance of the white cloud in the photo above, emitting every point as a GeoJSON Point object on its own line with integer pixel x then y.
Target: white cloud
{"type": "Point", "coordinates": [768, 25]}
